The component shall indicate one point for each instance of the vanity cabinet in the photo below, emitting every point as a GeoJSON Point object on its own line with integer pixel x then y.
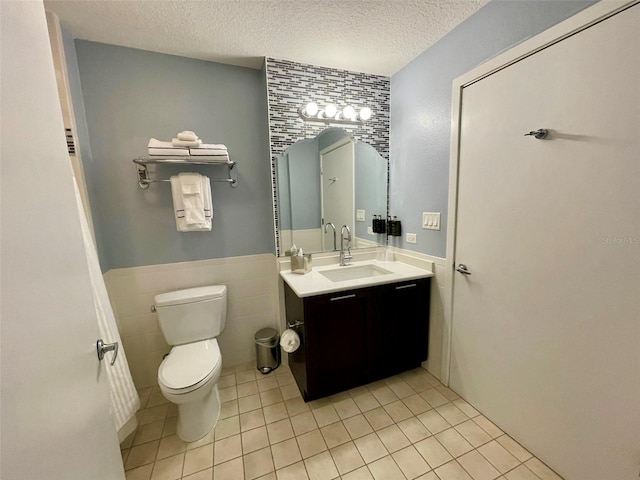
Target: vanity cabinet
{"type": "Point", "coordinates": [354, 337]}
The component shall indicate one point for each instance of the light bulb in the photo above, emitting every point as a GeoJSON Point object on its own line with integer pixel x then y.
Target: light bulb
{"type": "Point", "coordinates": [365, 114]}
{"type": "Point", "coordinates": [311, 109]}
{"type": "Point", "coordinates": [330, 111]}
{"type": "Point", "coordinates": [349, 112]}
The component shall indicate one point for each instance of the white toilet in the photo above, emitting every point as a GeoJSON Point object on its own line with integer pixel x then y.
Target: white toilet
{"type": "Point", "coordinates": [190, 320]}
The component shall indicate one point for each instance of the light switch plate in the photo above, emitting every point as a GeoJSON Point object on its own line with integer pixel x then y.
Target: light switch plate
{"type": "Point", "coordinates": [360, 215]}
{"type": "Point", "coordinates": [431, 220]}
{"type": "Point", "coordinates": [411, 238]}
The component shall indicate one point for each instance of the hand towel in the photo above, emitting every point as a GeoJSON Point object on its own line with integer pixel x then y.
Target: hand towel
{"type": "Point", "coordinates": [187, 136]}
{"type": "Point", "coordinates": [176, 142]}
{"type": "Point", "coordinates": [155, 143]}
{"type": "Point", "coordinates": [159, 148]}
{"type": "Point", "coordinates": [169, 152]}
{"type": "Point", "coordinates": [193, 208]}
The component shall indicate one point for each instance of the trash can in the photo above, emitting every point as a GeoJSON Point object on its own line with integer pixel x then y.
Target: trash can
{"type": "Point", "coordinates": [267, 349]}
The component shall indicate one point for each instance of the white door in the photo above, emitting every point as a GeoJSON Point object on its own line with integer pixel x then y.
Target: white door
{"type": "Point", "coordinates": [55, 401]}
{"type": "Point", "coordinates": [547, 325]}
{"type": "Point", "coordinates": [338, 197]}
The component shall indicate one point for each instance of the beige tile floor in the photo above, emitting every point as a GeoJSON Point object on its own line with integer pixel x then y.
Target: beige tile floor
{"type": "Point", "coordinates": [406, 427]}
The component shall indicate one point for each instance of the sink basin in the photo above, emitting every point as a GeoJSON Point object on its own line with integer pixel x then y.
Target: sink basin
{"type": "Point", "coordinates": [354, 272]}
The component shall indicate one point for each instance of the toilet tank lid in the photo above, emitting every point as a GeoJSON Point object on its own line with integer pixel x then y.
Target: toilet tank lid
{"type": "Point", "coordinates": [189, 295]}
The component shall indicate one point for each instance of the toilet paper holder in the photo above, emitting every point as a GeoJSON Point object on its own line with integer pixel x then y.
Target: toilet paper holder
{"type": "Point", "coordinates": [295, 325]}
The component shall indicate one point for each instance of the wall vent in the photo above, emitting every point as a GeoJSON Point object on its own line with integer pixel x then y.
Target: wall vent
{"type": "Point", "coordinates": [71, 146]}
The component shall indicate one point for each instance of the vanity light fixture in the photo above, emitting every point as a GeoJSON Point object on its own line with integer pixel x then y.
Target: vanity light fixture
{"type": "Point", "coordinates": [311, 112]}
{"type": "Point", "coordinates": [330, 111]}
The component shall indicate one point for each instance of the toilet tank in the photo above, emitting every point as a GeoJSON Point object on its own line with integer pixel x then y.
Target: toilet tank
{"type": "Point", "coordinates": [193, 314]}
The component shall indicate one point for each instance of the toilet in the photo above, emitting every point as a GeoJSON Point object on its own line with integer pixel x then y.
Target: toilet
{"type": "Point", "coordinates": [190, 321]}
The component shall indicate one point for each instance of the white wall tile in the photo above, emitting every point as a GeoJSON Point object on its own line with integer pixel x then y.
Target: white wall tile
{"type": "Point", "coordinates": [253, 304]}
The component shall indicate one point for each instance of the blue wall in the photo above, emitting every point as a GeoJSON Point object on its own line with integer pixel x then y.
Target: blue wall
{"type": "Point", "coordinates": [421, 106]}
{"type": "Point", "coordinates": [132, 95]}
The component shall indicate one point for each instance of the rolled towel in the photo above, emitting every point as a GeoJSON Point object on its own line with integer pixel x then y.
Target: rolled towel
{"type": "Point", "coordinates": [176, 142]}
{"type": "Point", "coordinates": [289, 340]}
{"type": "Point", "coordinates": [187, 136]}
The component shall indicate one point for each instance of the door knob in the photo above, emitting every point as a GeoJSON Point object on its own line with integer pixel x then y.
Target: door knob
{"type": "Point", "coordinates": [462, 268]}
{"type": "Point", "coordinates": [103, 348]}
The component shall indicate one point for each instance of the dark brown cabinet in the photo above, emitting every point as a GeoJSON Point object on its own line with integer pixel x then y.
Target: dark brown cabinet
{"type": "Point", "coordinates": [354, 337]}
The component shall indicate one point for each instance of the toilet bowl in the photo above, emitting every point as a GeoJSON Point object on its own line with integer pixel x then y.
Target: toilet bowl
{"type": "Point", "coordinates": [188, 377]}
{"type": "Point", "coordinates": [190, 320]}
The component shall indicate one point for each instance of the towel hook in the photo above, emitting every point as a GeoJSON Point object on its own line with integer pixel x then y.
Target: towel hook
{"type": "Point", "coordinates": [539, 134]}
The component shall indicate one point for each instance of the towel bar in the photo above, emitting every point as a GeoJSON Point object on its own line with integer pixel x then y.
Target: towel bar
{"type": "Point", "coordinates": [143, 173]}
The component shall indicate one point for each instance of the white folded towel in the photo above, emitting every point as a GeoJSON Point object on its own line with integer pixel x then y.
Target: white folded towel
{"type": "Point", "coordinates": [155, 143]}
{"type": "Point", "coordinates": [207, 151]}
{"type": "Point", "coordinates": [176, 142]}
{"type": "Point", "coordinates": [193, 208]}
{"type": "Point", "coordinates": [169, 152]}
{"type": "Point", "coordinates": [214, 146]}
{"type": "Point", "coordinates": [210, 158]}
{"type": "Point", "coordinates": [289, 341]}
{"type": "Point", "coordinates": [187, 136]}
{"type": "Point", "coordinates": [159, 148]}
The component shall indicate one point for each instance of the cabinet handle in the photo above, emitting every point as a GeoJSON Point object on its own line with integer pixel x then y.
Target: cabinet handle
{"type": "Point", "coordinates": [343, 297]}
{"type": "Point", "coordinates": [406, 286]}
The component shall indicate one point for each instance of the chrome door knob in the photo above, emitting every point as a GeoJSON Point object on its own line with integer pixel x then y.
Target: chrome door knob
{"type": "Point", "coordinates": [103, 348]}
{"type": "Point", "coordinates": [462, 268]}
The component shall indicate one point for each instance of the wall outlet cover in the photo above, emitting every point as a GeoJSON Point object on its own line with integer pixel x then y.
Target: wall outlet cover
{"type": "Point", "coordinates": [411, 238]}
{"type": "Point", "coordinates": [370, 230]}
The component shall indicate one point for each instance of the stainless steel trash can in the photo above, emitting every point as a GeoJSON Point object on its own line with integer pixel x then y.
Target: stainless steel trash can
{"type": "Point", "coordinates": [267, 349]}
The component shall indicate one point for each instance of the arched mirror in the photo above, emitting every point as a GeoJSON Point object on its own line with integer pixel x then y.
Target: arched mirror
{"type": "Point", "coordinates": [326, 182]}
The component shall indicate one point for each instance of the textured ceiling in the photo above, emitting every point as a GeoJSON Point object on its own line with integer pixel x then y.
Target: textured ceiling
{"type": "Point", "coordinates": [371, 36]}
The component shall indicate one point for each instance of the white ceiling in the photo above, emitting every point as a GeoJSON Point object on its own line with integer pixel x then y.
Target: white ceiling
{"type": "Point", "coordinates": [371, 36]}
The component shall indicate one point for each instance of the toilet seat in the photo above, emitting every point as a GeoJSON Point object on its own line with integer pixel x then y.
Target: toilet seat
{"type": "Point", "coordinates": [190, 366]}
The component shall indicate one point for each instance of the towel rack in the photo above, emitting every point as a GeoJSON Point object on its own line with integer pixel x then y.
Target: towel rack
{"type": "Point", "coordinates": [143, 174]}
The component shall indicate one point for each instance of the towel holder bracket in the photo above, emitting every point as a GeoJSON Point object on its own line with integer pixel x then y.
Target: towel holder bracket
{"type": "Point", "coordinates": [143, 172]}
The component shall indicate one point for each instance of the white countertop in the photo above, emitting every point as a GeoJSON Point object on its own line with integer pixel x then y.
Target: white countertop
{"type": "Point", "coordinates": [314, 283]}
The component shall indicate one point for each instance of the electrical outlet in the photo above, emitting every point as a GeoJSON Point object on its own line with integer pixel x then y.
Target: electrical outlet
{"type": "Point", "coordinates": [360, 215]}
{"type": "Point", "coordinates": [370, 230]}
{"type": "Point", "coordinates": [431, 220]}
{"type": "Point", "coordinates": [411, 238]}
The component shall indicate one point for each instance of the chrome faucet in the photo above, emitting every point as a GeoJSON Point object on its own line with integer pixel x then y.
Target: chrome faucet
{"type": "Point", "coordinates": [334, 233]}
{"type": "Point", "coordinates": [345, 256]}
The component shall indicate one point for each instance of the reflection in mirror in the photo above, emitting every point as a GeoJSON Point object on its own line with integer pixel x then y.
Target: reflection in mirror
{"type": "Point", "coordinates": [330, 180]}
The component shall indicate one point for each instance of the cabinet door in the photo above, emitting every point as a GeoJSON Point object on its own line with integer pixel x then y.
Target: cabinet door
{"type": "Point", "coordinates": [400, 330]}
{"type": "Point", "coordinates": [294, 306]}
{"type": "Point", "coordinates": [336, 342]}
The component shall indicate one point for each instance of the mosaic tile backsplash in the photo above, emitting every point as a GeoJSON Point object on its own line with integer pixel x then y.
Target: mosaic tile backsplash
{"type": "Point", "coordinates": [291, 85]}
